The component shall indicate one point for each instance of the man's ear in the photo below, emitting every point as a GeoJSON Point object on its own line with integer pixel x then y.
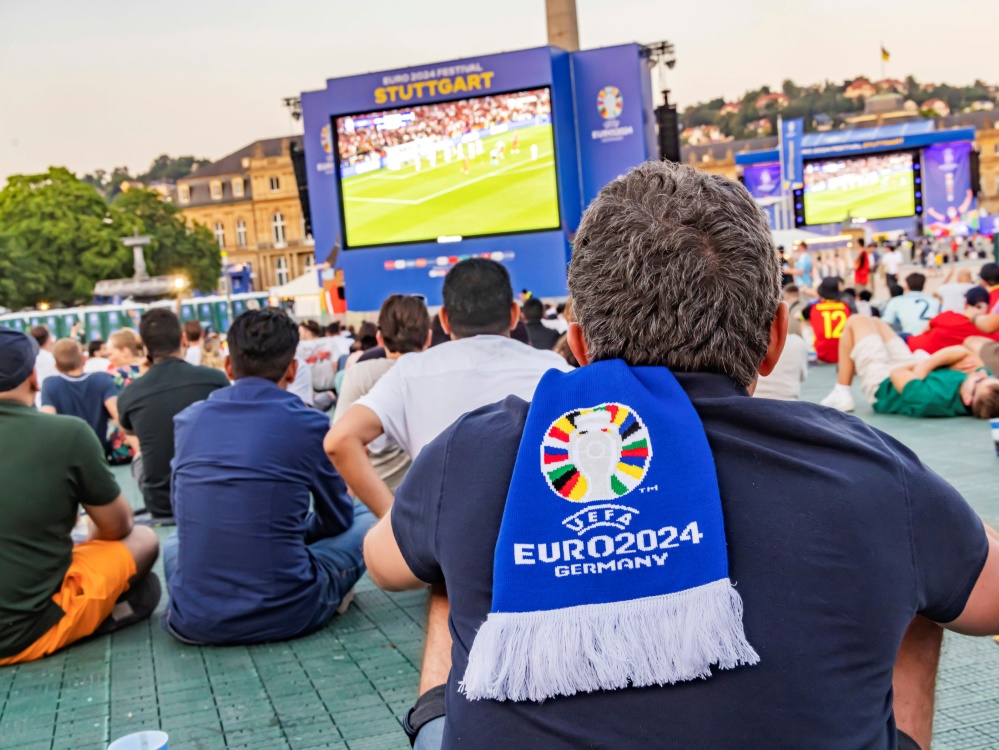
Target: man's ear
{"type": "Point", "coordinates": [778, 337]}
{"type": "Point", "coordinates": [577, 344]}
{"type": "Point", "coordinates": [228, 368]}
{"type": "Point", "coordinates": [380, 340]}
{"type": "Point", "coordinates": [291, 372]}
{"type": "Point", "coordinates": [445, 323]}
{"type": "Point", "coordinates": [514, 315]}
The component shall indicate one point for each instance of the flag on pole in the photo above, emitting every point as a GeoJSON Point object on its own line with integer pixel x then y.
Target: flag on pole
{"type": "Point", "coordinates": [885, 55]}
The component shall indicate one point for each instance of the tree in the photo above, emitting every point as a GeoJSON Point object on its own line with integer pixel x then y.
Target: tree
{"type": "Point", "coordinates": [175, 248]}
{"type": "Point", "coordinates": [57, 238]}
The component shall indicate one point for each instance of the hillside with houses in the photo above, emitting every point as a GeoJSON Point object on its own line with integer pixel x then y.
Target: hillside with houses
{"type": "Point", "coordinates": [830, 106]}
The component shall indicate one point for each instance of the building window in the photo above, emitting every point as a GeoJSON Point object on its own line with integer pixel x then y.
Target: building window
{"type": "Point", "coordinates": [240, 233]}
{"type": "Point", "coordinates": [281, 271]}
{"type": "Point", "coordinates": [997, 149]}
{"type": "Point", "coordinates": [277, 229]}
{"type": "Point", "coordinates": [220, 234]}
{"type": "Point", "coordinates": [275, 184]}
{"type": "Point", "coordinates": [216, 190]}
{"type": "Point", "coordinates": [184, 194]}
{"type": "Point", "coordinates": [310, 263]}
{"type": "Point", "coordinates": [237, 188]}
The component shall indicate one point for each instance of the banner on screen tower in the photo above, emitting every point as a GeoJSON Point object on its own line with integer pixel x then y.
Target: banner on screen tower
{"type": "Point", "coordinates": [949, 205]}
{"type": "Point", "coordinates": [763, 182]}
{"type": "Point", "coordinates": [791, 133]}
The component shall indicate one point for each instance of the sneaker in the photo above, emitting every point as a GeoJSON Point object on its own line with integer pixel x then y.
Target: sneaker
{"type": "Point", "coordinates": [839, 400]}
{"type": "Point", "coordinates": [345, 603]}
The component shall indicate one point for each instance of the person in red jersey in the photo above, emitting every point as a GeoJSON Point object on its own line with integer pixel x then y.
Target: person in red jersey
{"type": "Point", "coordinates": [951, 328]}
{"type": "Point", "coordinates": [828, 317]}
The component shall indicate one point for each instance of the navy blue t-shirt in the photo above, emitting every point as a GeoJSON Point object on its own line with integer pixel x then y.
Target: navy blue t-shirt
{"type": "Point", "coordinates": [81, 396]}
{"type": "Point", "coordinates": [837, 536]}
{"type": "Point", "coordinates": [245, 464]}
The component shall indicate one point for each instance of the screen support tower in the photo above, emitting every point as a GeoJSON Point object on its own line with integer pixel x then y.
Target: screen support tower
{"type": "Point", "coordinates": [660, 57]}
{"type": "Point", "coordinates": [563, 28]}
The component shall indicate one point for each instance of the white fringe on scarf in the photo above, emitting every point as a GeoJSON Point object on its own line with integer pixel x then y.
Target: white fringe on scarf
{"type": "Point", "coordinates": [658, 640]}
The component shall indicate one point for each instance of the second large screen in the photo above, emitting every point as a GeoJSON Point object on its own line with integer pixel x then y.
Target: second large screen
{"type": "Point", "coordinates": [465, 168]}
{"type": "Point", "coordinates": [867, 187]}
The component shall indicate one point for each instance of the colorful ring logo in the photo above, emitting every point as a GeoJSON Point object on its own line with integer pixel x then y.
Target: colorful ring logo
{"type": "Point", "coordinates": [326, 139]}
{"type": "Point", "coordinates": [610, 103]}
{"type": "Point", "coordinates": [600, 453]}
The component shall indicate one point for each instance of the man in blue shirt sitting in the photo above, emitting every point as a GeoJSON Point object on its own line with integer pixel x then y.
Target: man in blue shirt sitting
{"type": "Point", "coordinates": [249, 562]}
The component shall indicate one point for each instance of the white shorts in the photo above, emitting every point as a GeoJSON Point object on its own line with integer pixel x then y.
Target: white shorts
{"type": "Point", "coordinates": [875, 358]}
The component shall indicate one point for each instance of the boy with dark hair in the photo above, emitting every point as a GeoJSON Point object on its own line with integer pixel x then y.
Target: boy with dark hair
{"type": "Point", "coordinates": [147, 407]}
{"type": "Point", "coordinates": [477, 298]}
{"type": "Point", "coordinates": [93, 397]}
{"type": "Point", "coordinates": [827, 317]}
{"type": "Point", "coordinates": [247, 461]}
{"type": "Point", "coordinates": [912, 311]}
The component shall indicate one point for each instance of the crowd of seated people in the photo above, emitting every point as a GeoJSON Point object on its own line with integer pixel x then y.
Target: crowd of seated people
{"type": "Point", "coordinates": [457, 452]}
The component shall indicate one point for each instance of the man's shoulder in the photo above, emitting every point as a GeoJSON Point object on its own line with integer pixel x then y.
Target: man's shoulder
{"type": "Point", "coordinates": [207, 375]}
{"type": "Point", "coordinates": [811, 428]}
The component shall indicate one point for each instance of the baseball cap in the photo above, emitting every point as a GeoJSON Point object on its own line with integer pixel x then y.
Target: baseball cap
{"type": "Point", "coordinates": [17, 358]}
{"type": "Point", "coordinates": [976, 295]}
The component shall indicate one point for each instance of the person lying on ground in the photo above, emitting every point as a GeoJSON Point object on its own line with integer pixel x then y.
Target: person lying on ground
{"type": "Point", "coordinates": [950, 383]}
{"type": "Point", "coordinates": [951, 328]}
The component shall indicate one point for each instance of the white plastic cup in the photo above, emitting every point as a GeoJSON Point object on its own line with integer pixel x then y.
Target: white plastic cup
{"type": "Point", "coordinates": [150, 740]}
{"type": "Point", "coordinates": [994, 424]}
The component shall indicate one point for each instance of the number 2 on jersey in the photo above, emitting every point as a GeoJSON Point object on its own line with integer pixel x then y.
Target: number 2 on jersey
{"type": "Point", "coordinates": [833, 322]}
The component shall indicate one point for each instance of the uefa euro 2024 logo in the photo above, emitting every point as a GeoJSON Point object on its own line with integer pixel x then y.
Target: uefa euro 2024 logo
{"type": "Point", "coordinates": [594, 455]}
{"type": "Point", "coordinates": [609, 103]}
{"type": "Point", "coordinates": [326, 139]}
{"type": "Point", "coordinates": [600, 453]}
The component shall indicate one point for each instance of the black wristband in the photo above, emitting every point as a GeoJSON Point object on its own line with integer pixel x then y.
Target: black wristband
{"type": "Point", "coordinates": [428, 707]}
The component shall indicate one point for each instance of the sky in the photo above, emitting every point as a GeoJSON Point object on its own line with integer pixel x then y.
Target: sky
{"type": "Point", "coordinates": [106, 83]}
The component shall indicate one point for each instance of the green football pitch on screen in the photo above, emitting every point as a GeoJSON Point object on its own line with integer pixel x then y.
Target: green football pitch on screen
{"type": "Point", "coordinates": [891, 197]}
{"type": "Point", "coordinates": [517, 193]}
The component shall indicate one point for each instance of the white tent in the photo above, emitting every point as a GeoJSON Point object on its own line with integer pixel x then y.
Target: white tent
{"type": "Point", "coordinates": [305, 291]}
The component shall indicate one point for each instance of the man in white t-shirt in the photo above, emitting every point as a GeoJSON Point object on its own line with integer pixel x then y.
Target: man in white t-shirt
{"type": "Point", "coordinates": [892, 262]}
{"type": "Point", "coordinates": [951, 293]}
{"type": "Point", "coordinates": [425, 392]}
{"type": "Point", "coordinates": [784, 382]}
{"type": "Point", "coordinates": [913, 310]}
{"type": "Point", "coordinates": [45, 366]}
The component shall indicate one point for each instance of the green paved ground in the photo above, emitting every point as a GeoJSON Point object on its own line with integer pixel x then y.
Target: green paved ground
{"type": "Point", "coordinates": [349, 685]}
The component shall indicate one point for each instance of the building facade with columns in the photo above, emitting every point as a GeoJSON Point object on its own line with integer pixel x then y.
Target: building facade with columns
{"type": "Point", "coordinates": [249, 201]}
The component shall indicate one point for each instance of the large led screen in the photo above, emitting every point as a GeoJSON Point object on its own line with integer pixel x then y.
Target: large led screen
{"type": "Point", "coordinates": [863, 187]}
{"type": "Point", "coordinates": [440, 172]}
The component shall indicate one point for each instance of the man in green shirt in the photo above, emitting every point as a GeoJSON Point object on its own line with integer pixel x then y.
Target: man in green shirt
{"type": "Point", "coordinates": [52, 593]}
{"type": "Point", "coordinates": [950, 383]}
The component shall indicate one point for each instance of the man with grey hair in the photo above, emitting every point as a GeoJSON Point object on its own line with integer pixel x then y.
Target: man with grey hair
{"type": "Point", "coordinates": [674, 278]}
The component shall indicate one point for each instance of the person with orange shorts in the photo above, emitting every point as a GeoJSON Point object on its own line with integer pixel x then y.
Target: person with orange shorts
{"type": "Point", "coordinates": [53, 593]}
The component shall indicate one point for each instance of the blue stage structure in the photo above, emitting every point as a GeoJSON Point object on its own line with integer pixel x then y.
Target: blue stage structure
{"type": "Point", "coordinates": [602, 124]}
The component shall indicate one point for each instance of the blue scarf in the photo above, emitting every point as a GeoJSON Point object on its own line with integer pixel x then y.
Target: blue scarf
{"type": "Point", "coordinates": [611, 568]}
